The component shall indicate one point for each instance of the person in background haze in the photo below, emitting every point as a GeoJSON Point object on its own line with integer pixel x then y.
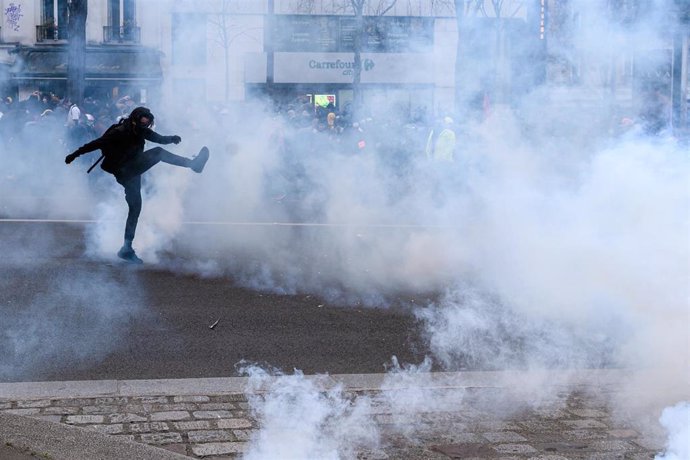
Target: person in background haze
{"type": "Point", "coordinates": [440, 144]}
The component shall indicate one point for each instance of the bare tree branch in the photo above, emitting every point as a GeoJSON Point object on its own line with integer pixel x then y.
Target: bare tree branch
{"type": "Point", "coordinates": [382, 11]}
{"type": "Point", "coordinates": [228, 32]}
{"type": "Point", "coordinates": [438, 7]}
{"type": "Point", "coordinates": [304, 6]}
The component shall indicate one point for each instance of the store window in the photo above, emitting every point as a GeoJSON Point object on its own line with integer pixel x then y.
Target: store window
{"type": "Point", "coordinates": [324, 100]}
{"type": "Point", "coordinates": [381, 34]}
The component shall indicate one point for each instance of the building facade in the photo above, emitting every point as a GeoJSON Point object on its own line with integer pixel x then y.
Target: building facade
{"type": "Point", "coordinates": [288, 50]}
{"type": "Point", "coordinates": [33, 49]}
{"type": "Point", "coordinates": [224, 51]}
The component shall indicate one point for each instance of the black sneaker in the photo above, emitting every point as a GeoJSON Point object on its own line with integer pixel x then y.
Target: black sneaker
{"type": "Point", "coordinates": [199, 161]}
{"type": "Point", "coordinates": [127, 254]}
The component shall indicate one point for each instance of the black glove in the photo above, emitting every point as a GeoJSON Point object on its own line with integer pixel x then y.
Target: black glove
{"type": "Point", "coordinates": [70, 158]}
{"type": "Point", "coordinates": [175, 139]}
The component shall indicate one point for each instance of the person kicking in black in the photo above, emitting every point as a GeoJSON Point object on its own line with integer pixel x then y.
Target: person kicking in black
{"type": "Point", "coordinates": [122, 146]}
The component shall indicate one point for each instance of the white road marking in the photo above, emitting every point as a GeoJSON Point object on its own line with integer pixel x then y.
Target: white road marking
{"type": "Point", "coordinates": [230, 223]}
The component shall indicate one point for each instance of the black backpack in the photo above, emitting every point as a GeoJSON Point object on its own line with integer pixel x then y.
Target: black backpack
{"type": "Point", "coordinates": [111, 128]}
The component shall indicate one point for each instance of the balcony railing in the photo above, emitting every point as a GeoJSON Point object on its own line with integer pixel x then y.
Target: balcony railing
{"type": "Point", "coordinates": [124, 34]}
{"type": "Point", "coordinates": [51, 32]}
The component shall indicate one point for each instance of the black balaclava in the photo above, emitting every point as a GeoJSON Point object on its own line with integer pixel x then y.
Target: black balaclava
{"type": "Point", "coordinates": [139, 113]}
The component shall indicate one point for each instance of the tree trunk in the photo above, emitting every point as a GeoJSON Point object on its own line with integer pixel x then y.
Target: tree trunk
{"type": "Point", "coordinates": [76, 50]}
{"type": "Point", "coordinates": [270, 50]}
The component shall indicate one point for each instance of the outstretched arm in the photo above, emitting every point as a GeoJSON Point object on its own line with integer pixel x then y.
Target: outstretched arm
{"type": "Point", "coordinates": [111, 136]}
{"type": "Point", "coordinates": [86, 148]}
{"type": "Point", "coordinates": [153, 136]}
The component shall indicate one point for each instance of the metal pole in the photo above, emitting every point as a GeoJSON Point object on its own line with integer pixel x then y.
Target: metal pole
{"type": "Point", "coordinates": [270, 55]}
{"type": "Point", "coordinates": [684, 85]}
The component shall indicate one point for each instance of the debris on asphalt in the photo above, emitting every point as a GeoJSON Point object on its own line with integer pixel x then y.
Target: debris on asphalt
{"type": "Point", "coordinates": [214, 324]}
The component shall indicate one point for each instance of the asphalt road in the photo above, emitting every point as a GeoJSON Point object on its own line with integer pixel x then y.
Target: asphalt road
{"type": "Point", "coordinates": [7, 452]}
{"type": "Point", "coordinates": [70, 318]}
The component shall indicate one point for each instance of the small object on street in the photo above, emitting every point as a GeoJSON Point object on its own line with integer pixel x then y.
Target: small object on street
{"type": "Point", "coordinates": [214, 324]}
{"type": "Point", "coordinates": [319, 306]}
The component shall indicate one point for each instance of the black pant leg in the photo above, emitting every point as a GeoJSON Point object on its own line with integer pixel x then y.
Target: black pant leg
{"type": "Point", "coordinates": [141, 163]}
{"type": "Point", "coordinates": [129, 177]}
{"type": "Point", "coordinates": [147, 159]}
{"type": "Point", "coordinates": [172, 159]}
{"type": "Point", "coordinates": [132, 187]}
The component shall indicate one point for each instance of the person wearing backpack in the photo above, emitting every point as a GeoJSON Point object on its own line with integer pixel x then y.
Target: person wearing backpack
{"type": "Point", "coordinates": [123, 155]}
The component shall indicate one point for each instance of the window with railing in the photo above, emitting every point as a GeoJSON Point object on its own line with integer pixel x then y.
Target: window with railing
{"type": "Point", "coordinates": [53, 25]}
{"type": "Point", "coordinates": [46, 32]}
{"type": "Point", "coordinates": [122, 22]}
{"type": "Point", "coordinates": [121, 34]}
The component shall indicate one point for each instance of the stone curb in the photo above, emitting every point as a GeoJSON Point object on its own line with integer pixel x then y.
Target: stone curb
{"type": "Point", "coordinates": [350, 382]}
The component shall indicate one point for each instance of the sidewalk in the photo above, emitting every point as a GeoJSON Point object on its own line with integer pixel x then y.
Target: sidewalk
{"type": "Point", "coordinates": [170, 419]}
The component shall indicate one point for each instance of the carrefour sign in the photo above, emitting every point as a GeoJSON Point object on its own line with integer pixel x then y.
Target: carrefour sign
{"type": "Point", "coordinates": [339, 68]}
{"type": "Point", "coordinates": [347, 67]}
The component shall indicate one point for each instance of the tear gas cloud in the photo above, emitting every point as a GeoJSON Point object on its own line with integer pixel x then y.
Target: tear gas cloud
{"type": "Point", "coordinates": [329, 425]}
{"type": "Point", "coordinates": [309, 417]}
{"type": "Point", "coordinates": [582, 246]}
{"type": "Point", "coordinates": [559, 246]}
{"type": "Point", "coordinates": [676, 421]}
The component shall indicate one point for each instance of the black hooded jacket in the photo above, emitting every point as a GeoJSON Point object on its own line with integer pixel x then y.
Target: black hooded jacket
{"type": "Point", "coordinates": [122, 143]}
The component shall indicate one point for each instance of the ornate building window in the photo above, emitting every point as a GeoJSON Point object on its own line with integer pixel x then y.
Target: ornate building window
{"type": "Point", "coordinates": [122, 22]}
{"type": "Point", "coordinates": [53, 21]}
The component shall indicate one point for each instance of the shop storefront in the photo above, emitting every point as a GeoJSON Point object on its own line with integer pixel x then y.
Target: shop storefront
{"type": "Point", "coordinates": [404, 81]}
{"type": "Point", "coordinates": [110, 72]}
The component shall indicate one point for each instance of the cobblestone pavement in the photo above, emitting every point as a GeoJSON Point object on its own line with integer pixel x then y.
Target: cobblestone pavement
{"type": "Point", "coordinates": [575, 426]}
{"type": "Point", "coordinates": [572, 423]}
{"type": "Point", "coordinates": [193, 425]}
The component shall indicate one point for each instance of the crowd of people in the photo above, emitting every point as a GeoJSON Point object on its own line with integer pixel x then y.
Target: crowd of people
{"type": "Point", "coordinates": [46, 119]}
{"type": "Point", "coordinates": [45, 122]}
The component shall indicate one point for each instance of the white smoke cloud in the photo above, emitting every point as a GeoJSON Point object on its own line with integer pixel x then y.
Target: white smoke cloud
{"type": "Point", "coordinates": [300, 420]}
{"type": "Point", "coordinates": [311, 417]}
{"type": "Point", "coordinates": [559, 267]}
{"type": "Point", "coordinates": [676, 420]}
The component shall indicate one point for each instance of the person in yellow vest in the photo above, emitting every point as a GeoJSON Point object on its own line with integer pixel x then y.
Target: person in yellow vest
{"type": "Point", "coordinates": [440, 145]}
